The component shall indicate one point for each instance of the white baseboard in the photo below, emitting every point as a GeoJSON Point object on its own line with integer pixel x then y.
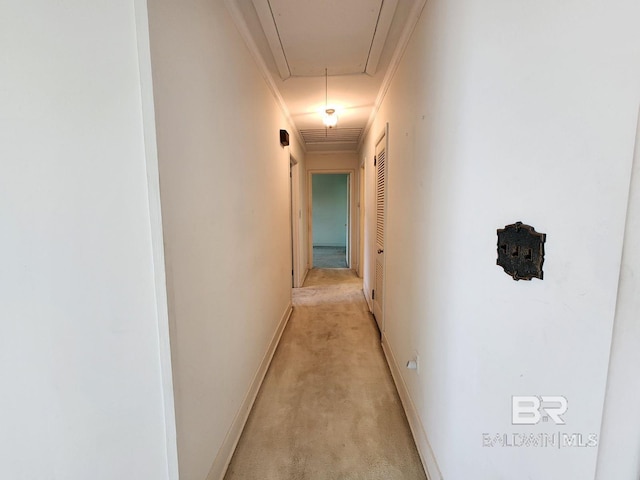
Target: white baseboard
{"type": "Point", "coordinates": [367, 296]}
{"type": "Point", "coordinates": [304, 276]}
{"type": "Point", "coordinates": [419, 435]}
{"type": "Point", "coordinates": [221, 463]}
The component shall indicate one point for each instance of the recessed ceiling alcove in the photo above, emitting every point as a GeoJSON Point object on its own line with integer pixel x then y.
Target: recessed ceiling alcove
{"type": "Point", "coordinates": [359, 42]}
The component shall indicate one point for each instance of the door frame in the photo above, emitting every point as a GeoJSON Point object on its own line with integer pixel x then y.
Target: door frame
{"type": "Point", "coordinates": [295, 213]}
{"type": "Point", "coordinates": [383, 137]}
{"type": "Point", "coordinates": [361, 218]}
{"type": "Point", "coordinates": [350, 208]}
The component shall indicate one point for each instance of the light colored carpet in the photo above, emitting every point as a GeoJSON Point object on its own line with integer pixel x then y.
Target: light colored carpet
{"type": "Point", "coordinates": [328, 408]}
{"type": "Point", "coordinates": [329, 257]}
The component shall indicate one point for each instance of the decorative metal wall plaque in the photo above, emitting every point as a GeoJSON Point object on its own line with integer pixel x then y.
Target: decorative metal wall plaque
{"type": "Point", "coordinates": [521, 251]}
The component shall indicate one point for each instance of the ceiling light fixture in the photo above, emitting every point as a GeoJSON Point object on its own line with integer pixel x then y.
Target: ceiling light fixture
{"type": "Point", "coordinates": [330, 117]}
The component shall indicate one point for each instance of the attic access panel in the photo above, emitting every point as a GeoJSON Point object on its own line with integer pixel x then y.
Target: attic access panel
{"type": "Point", "coordinates": [307, 36]}
{"type": "Point", "coordinates": [521, 251]}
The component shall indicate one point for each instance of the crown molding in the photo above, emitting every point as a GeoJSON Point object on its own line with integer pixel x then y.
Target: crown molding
{"type": "Point", "coordinates": [245, 33]}
{"type": "Point", "coordinates": [403, 41]}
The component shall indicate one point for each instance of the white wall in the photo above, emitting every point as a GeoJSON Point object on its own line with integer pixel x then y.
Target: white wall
{"type": "Point", "coordinates": [330, 209]}
{"type": "Point", "coordinates": [503, 111]}
{"type": "Point", "coordinates": [80, 348]}
{"type": "Point", "coordinates": [332, 161]}
{"type": "Point", "coordinates": [225, 197]}
{"type": "Point", "coordinates": [619, 453]}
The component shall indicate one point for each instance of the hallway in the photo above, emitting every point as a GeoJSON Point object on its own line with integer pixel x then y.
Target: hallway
{"type": "Point", "coordinates": [156, 195]}
{"type": "Point", "coordinates": [328, 408]}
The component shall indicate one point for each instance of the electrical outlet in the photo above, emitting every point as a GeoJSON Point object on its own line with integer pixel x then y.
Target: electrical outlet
{"type": "Point", "coordinates": [414, 363]}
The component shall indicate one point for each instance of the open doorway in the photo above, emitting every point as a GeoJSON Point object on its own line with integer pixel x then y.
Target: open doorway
{"type": "Point", "coordinates": [330, 220]}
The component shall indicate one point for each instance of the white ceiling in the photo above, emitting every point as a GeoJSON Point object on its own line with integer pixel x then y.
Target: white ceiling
{"type": "Point", "coordinates": [359, 43]}
{"type": "Point", "coordinates": [307, 36]}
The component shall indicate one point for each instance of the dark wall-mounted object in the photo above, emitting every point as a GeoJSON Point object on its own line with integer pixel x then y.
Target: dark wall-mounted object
{"type": "Point", "coordinates": [521, 251]}
{"type": "Point", "coordinates": [284, 138]}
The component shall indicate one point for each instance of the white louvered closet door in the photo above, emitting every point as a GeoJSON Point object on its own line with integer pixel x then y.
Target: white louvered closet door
{"type": "Point", "coordinates": [381, 176]}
